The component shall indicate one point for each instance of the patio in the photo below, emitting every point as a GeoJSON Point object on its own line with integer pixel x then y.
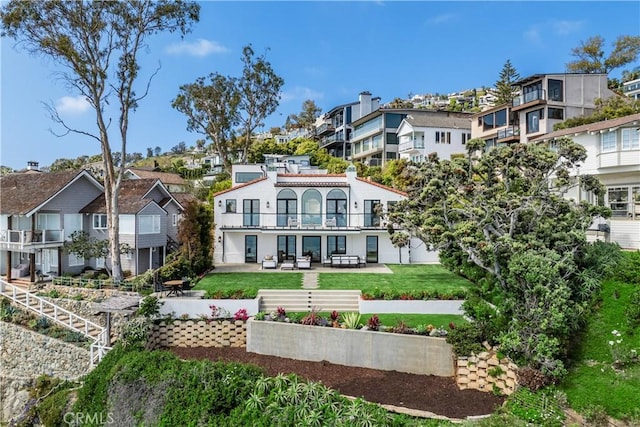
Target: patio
{"type": "Point", "coordinates": [315, 267]}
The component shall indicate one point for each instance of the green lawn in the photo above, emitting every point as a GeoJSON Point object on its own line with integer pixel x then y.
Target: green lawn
{"type": "Point", "coordinates": [405, 278]}
{"type": "Point", "coordinates": [592, 381]}
{"type": "Point", "coordinates": [250, 283]}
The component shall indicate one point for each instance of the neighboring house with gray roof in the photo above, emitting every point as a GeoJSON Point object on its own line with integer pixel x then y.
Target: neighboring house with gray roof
{"type": "Point", "coordinates": [613, 155]}
{"type": "Point", "coordinates": [149, 217]}
{"type": "Point", "coordinates": [38, 212]}
{"type": "Point", "coordinates": [423, 132]}
{"type": "Point", "coordinates": [174, 182]}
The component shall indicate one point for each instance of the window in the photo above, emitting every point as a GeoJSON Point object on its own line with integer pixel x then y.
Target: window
{"type": "Point", "coordinates": [371, 217]}
{"type": "Point", "coordinates": [48, 221]}
{"type": "Point", "coordinates": [555, 113]}
{"type": "Point", "coordinates": [230, 205]}
{"type": "Point", "coordinates": [99, 221]}
{"type": "Point", "coordinates": [286, 248]}
{"type": "Point", "coordinates": [465, 137]}
{"type": "Point", "coordinates": [336, 245]}
{"type": "Point", "coordinates": [287, 207]}
{"type": "Point", "coordinates": [99, 262]}
{"type": "Point", "coordinates": [337, 207]}
{"type": "Point", "coordinates": [390, 155]}
{"type": "Point", "coordinates": [127, 224]}
{"type": "Point", "coordinates": [149, 224]}
{"type": "Point", "coordinates": [493, 120]}
{"type": "Point", "coordinates": [555, 90]}
{"type": "Point", "coordinates": [630, 139]}
{"type": "Point", "coordinates": [311, 208]}
{"type": "Point", "coordinates": [75, 260]}
{"type": "Point", "coordinates": [392, 138]}
{"type": "Point", "coordinates": [608, 142]}
{"type": "Point", "coordinates": [72, 223]}
{"type": "Point", "coordinates": [242, 177]}
{"type": "Point", "coordinates": [618, 200]}
{"type": "Point", "coordinates": [443, 137]}
{"type": "Point", "coordinates": [251, 212]}
{"type": "Point", "coordinates": [533, 120]}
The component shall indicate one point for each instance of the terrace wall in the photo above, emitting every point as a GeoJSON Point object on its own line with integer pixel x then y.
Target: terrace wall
{"type": "Point", "coordinates": [198, 333]}
{"type": "Point", "coordinates": [485, 372]}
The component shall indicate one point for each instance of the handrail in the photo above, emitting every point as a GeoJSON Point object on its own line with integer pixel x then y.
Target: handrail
{"type": "Point", "coordinates": [38, 305]}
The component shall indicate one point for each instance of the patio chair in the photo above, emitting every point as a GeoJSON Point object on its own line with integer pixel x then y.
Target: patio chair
{"type": "Point", "coordinates": [20, 270]}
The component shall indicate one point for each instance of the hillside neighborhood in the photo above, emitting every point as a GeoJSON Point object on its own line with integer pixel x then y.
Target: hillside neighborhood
{"type": "Point", "coordinates": [470, 258]}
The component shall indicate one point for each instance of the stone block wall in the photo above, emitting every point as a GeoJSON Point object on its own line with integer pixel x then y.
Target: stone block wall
{"type": "Point", "coordinates": [485, 372]}
{"type": "Point", "coordinates": [24, 356]}
{"type": "Point", "coordinates": [199, 333]}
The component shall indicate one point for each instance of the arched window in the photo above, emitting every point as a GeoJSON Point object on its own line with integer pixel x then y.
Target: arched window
{"type": "Point", "coordinates": [287, 207]}
{"type": "Point", "coordinates": [337, 207]}
{"type": "Point", "coordinates": [311, 208]}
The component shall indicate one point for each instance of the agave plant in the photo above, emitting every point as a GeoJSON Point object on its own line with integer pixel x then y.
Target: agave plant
{"type": "Point", "coordinates": [351, 320]}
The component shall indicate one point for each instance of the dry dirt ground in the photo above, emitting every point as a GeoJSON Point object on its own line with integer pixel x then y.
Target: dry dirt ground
{"type": "Point", "coordinates": [422, 392]}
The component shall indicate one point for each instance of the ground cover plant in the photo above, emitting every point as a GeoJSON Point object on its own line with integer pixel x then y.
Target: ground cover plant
{"type": "Point", "coordinates": [132, 386]}
{"type": "Point", "coordinates": [417, 281]}
{"type": "Point", "coordinates": [246, 285]}
{"type": "Point", "coordinates": [606, 375]}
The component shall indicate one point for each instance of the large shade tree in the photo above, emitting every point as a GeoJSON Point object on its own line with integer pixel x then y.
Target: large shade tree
{"type": "Point", "coordinates": [505, 212]}
{"type": "Point", "coordinates": [590, 56]}
{"type": "Point", "coordinates": [227, 110]}
{"type": "Point", "coordinates": [97, 44]}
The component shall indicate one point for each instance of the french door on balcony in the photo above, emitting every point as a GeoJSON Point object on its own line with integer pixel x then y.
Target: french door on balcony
{"type": "Point", "coordinates": [250, 248]}
{"type": "Point", "coordinates": [311, 247]}
{"type": "Point", "coordinates": [286, 248]}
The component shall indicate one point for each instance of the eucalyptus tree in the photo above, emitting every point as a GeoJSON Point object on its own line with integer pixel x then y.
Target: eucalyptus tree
{"type": "Point", "coordinates": [226, 109]}
{"type": "Point", "coordinates": [97, 44]}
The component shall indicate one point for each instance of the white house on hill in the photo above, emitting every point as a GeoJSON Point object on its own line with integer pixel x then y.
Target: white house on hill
{"type": "Point", "coordinates": [293, 215]}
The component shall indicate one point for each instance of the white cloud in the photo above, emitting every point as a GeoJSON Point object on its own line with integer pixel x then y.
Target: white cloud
{"type": "Point", "coordinates": [301, 93]}
{"type": "Point", "coordinates": [533, 35]}
{"type": "Point", "coordinates": [566, 27]}
{"type": "Point", "coordinates": [72, 105]}
{"type": "Point", "coordinates": [200, 47]}
{"type": "Point", "coordinates": [441, 19]}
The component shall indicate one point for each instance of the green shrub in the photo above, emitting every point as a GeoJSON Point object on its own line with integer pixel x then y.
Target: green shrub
{"type": "Point", "coordinates": [465, 339]}
{"type": "Point", "coordinates": [150, 307]}
{"type": "Point", "coordinates": [632, 312]}
{"type": "Point", "coordinates": [628, 270]}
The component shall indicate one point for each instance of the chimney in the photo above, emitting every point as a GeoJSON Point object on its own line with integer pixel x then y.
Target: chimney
{"type": "Point", "coordinates": [32, 166]}
{"type": "Point", "coordinates": [365, 103]}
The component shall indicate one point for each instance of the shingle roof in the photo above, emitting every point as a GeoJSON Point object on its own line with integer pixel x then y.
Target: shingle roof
{"type": "Point", "coordinates": [20, 193]}
{"type": "Point", "coordinates": [164, 177]}
{"type": "Point", "coordinates": [591, 127]}
{"type": "Point", "coordinates": [184, 198]}
{"type": "Point", "coordinates": [130, 200]}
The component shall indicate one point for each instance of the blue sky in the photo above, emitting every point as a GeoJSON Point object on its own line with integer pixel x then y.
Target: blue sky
{"type": "Point", "coordinates": [325, 51]}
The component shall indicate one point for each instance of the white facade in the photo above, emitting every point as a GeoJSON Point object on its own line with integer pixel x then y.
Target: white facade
{"type": "Point", "coordinates": [613, 155]}
{"type": "Point", "coordinates": [416, 140]}
{"type": "Point", "coordinates": [316, 215]}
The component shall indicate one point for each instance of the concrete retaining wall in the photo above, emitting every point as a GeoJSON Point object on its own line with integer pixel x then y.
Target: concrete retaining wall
{"type": "Point", "coordinates": [411, 306]}
{"type": "Point", "coordinates": [194, 308]}
{"type": "Point", "coordinates": [199, 333]}
{"type": "Point", "coordinates": [377, 350]}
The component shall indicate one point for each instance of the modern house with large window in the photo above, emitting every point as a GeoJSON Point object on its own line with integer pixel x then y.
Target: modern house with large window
{"type": "Point", "coordinates": [374, 139]}
{"type": "Point", "coordinates": [293, 215]}
{"type": "Point", "coordinates": [544, 100]}
{"type": "Point", "coordinates": [423, 132]}
{"type": "Point", "coordinates": [38, 213]}
{"type": "Point", "coordinates": [613, 155]}
{"type": "Point", "coordinates": [334, 128]}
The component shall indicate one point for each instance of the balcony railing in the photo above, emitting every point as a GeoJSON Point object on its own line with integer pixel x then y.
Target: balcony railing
{"type": "Point", "coordinates": [283, 221]}
{"type": "Point", "coordinates": [25, 238]}
{"type": "Point", "coordinates": [324, 128]}
{"type": "Point", "coordinates": [536, 95]}
{"type": "Point", "coordinates": [509, 132]}
{"type": "Point", "coordinates": [411, 145]}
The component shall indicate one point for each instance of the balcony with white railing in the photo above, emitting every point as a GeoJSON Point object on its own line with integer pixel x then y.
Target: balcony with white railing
{"type": "Point", "coordinates": [21, 239]}
{"type": "Point", "coordinates": [619, 158]}
{"type": "Point", "coordinates": [298, 222]}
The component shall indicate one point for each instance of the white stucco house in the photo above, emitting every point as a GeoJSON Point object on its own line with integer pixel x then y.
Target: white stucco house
{"type": "Point", "coordinates": [613, 155]}
{"type": "Point", "coordinates": [294, 215]}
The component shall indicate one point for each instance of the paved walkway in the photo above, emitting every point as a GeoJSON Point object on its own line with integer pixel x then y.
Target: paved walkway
{"type": "Point", "coordinates": [310, 280]}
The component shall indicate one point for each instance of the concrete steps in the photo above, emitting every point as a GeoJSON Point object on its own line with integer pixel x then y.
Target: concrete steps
{"type": "Point", "coordinates": [308, 299]}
